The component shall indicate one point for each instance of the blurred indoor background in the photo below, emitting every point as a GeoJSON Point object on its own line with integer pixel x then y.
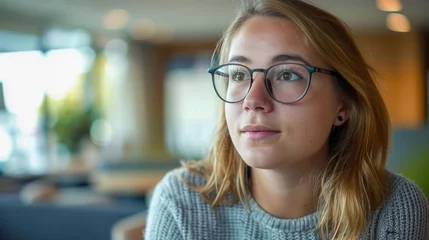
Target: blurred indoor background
{"type": "Point", "coordinates": [99, 98]}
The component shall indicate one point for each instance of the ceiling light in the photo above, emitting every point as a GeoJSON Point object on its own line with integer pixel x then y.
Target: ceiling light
{"type": "Point", "coordinates": [116, 19]}
{"type": "Point", "coordinates": [389, 5]}
{"type": "Point", "coordinates": [398, 22]}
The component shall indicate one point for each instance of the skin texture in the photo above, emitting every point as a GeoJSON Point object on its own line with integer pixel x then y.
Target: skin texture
{"type": "Point", "coordinates": [296, 142]}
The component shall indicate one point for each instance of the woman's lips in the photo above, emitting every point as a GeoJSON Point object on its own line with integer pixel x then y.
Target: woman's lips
{"type": "Point", "coordinates": [258, 131]}
{"type": "Point", "coordinates": [259, 135]}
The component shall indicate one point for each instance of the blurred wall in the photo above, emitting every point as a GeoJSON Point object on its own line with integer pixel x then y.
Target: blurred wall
{"type": "Point", "coordinates": [408, 144]}
{"type": "Point", "coordinates": [398, 60]}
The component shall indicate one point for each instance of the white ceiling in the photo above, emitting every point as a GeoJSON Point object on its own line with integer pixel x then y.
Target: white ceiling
{"type": "Point", "coordinates": [189, 19]}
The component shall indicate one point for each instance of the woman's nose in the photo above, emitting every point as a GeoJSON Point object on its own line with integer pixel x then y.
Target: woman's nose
{"type": "Point", "coordinates": [257, 98]}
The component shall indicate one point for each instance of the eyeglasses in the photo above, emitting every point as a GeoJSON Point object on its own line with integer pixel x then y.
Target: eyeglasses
{"type": "Point", "coordinates": [285, 82]}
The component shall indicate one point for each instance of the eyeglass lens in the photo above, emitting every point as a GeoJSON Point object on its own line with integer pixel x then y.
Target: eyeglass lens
{"type": "Point", "coordinates": [287, 82]}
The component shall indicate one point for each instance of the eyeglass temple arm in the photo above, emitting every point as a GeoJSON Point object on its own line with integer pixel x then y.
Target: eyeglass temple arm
{"type": "Point", "coordinates": [217, 72]}
{"type": "Point", "coordinates": [327, 71]}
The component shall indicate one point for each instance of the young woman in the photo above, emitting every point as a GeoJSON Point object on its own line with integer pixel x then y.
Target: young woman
{"type": "Point", "coordinates": [302, 141]}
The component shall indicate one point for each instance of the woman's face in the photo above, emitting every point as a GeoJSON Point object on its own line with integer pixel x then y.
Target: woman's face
{"type": "Point", "coordinates": [268, 134]}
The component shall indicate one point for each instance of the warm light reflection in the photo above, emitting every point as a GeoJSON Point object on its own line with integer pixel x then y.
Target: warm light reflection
{"type": "Point", "coordinates": [143, 29]}
{"type": "Point", "coordinates": [398, 22]}
{"type": "Point", "coordinates": [389, 5]}
{"type": "Point", "coordinates": [116, 19]}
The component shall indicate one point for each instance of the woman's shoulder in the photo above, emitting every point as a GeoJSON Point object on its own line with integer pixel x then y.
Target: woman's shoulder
{"type": "Point", "coordinates": [405, 214]}
{"type": "Point", "coordinates": [181, 175]}
{"type": "Point", "coordinates": [177, 184]}
{"type": "Point", "coordinates": [404, 190]}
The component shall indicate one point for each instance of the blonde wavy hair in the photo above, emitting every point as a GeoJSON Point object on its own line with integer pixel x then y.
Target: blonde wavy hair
{"type": "Point", "coordinates": [354, 181]}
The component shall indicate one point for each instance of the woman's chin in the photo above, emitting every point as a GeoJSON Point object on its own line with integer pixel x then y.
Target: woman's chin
{"type": "Point", "coordinates": [263, 161]}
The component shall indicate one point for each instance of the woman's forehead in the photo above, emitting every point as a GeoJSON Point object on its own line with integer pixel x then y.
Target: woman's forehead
{"type": "Point", "coordinates": [260, 39]}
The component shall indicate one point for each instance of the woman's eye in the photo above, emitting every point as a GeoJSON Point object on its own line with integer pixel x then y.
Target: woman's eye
{"type": "Point", "coordinates": [288, 76]}
{"type": "Point", "coordinates": [238, 76]}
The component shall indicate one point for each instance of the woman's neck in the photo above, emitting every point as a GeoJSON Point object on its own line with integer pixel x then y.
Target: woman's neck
{"type": "Point", "coordinates": [286, 194]}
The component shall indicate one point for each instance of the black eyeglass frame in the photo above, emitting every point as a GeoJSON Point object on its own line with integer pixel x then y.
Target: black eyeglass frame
{"type": "Point", "coordinates": [310, 70]}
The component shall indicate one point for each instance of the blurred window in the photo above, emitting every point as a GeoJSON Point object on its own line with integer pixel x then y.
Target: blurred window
{"type": "Point", "coordinates": [27, 78]}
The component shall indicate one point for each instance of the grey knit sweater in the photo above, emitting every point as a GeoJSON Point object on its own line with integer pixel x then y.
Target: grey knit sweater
{"type": "Point", "coordinates": [176, 212]}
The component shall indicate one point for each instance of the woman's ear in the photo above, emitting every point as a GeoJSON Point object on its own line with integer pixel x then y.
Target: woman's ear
{"type": "Point", "coordinates": [342, 115]}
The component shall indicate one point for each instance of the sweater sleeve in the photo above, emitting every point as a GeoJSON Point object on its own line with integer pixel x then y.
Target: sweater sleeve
{"type": "Point", "coordinates": [408, 216]}
{"type": "Point", "coordinates": [161, 221]}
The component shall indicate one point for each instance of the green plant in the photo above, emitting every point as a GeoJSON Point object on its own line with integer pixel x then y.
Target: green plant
{"type": "Point", "coordinates": [416, 168]}
{"type": "Point", "coordinates": [73, 125]}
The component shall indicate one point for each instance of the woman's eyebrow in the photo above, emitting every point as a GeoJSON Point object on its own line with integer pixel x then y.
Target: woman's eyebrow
{"type": "Point", "coordinates": [276, 59]}
{"type": "Point", "coordinates": [289, 57]}
{"type": "Point", "coordinates": [240, 59]}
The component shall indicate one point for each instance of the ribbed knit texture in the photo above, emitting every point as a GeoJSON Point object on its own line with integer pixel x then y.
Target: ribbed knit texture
{"type": "Point", "coordinates": [176, 212]}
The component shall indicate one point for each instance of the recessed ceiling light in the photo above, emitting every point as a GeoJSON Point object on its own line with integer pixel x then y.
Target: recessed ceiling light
{"type": "Point", "coordinates": [389, 5]}
{"type": "Point", "coordinates": [398, 22]}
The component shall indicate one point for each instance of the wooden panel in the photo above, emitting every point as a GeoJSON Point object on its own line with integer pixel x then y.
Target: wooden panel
{"type": "Point", "coordinates": [399, 60]}
{"type": "Point", "coordinates": [155, 66]}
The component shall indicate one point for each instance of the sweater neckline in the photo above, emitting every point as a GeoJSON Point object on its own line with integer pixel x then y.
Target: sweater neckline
{"type": "Point", "coordinates": [308, 222]}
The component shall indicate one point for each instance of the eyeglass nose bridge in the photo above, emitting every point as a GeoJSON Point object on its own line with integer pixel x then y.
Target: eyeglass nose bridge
{"type": "Point", "coordinates": [252, 71]}
{"type": "Point", "coordinates": [267, 84]}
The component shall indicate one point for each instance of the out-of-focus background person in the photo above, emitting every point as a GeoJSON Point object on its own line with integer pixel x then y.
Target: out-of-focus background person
{"type": "Point", "coordinates": [98, 99]}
